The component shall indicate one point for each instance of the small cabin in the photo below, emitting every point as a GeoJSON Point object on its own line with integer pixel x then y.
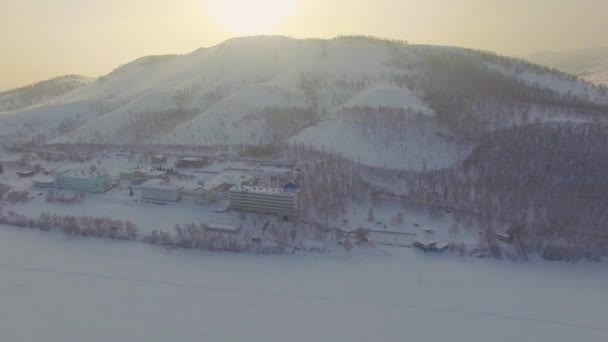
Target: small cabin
{"type": "Point", "coordinates": [431, 246]}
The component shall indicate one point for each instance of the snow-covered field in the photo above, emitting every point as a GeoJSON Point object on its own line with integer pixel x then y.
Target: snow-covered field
{"type": "Point", "coordinates": [55, 288]}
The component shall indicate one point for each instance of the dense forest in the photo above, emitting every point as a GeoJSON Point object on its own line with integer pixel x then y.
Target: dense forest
{"type": "Point", "coordinates": [544, 184]}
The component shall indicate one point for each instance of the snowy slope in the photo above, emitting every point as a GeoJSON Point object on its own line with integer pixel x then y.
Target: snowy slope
{"type": "Point", "coordinates": [388, 96]}
{"type": "Point", "coordinates": [40, 92]}
{"type": "Point", "coordinates": [590, 64]}
{"type": "Point", "coordinates": [325, 93]}
{"type": "Point", "coordinates": [55, 288]}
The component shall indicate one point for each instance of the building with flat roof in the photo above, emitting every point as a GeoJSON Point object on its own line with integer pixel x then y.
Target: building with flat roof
{"type": "Point", "coordinates": [45, 182]}
{"type": "Point", "coordinates": [156, 190]}
{"type": "Point", "coordinates": [141, 175]}
{"type": "Point", "coordinates": [191, 162]}
{"type": "Point", "coordinates": [276, 201]}
{"type": "Point", "coordinates": [84, 178]}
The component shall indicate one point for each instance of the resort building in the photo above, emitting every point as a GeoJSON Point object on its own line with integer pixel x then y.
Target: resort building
{"type": "Point", "coordinates": [91, 179]}
{"type": "Point", "coordinates": [157, 190]}
{"type": "Point", "coordinates": [278, 201]}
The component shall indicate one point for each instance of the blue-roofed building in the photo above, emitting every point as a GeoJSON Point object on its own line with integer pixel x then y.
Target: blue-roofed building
{"type": "Point", "coordinates": [291, 186]}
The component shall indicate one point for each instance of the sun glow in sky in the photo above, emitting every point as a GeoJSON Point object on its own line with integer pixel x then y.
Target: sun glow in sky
{"type": "Point", "coordinates": [247, 17]}
{"type": "Point", "coordinates": [47, 38]}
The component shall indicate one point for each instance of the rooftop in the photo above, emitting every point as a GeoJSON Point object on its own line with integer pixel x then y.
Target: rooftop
{"type": "Point", "coordinates": [160, 184]}
{"type": "Point", "coordinates": [228, 177]}
{"type": "Point", "coordinates": [85, 170]}
{"type": "Point", "coordinates": [261, 190]}
{"type": "Point", "coordinates": [148, 171]}
{"type": "Point", "coordinates": [43, 179]}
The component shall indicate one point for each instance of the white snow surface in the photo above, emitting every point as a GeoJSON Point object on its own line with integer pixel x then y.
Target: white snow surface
{"type": "Point", "coordinates": [388, 96]}
{"type": "Point", "coordinates": [41, 92]}
{"type": "Point", "coordinates": [57, 288]}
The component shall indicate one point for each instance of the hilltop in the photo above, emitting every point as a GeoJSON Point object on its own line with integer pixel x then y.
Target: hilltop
{"type": "Point", "coordinates": [380, 102]}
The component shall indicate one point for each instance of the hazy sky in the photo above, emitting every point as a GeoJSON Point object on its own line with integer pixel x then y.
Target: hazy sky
{"type": "Point", "coordinates": [40, 39]}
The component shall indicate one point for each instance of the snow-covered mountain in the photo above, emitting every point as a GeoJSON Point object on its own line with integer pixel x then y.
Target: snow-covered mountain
{"type": "Point", "coordinates": [40, 92]}
{"type": "Point", "coordinates": [384, 103]}
{"type": "Point", "coordinates": [590, 64]}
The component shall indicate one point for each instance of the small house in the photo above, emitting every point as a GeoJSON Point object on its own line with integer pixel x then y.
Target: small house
{"type": "Point", "coordinates": [431, 246]}
{"type": "Point", "coordinates": [504, 237]}
{"type": "Point", "coordinates": [141, 175]}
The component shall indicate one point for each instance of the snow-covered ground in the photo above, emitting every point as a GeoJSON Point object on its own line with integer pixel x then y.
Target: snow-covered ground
{"type": "Point", "coordinates": [120, 206]}
{"type": "Point", "coordinates": [55, 288]}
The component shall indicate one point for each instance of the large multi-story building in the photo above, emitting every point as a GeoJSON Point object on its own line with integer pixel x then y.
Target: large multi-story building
{"type": "Point", "coordinates": [90, 179]}
{"type": "Point", "coordinates": [277, 201]}
{"type": "Point", "coordinates": [156, 190]}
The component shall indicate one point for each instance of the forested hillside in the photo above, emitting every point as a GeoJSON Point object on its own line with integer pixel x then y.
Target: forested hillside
{"type": "Point", "coordinates": [383, 103]}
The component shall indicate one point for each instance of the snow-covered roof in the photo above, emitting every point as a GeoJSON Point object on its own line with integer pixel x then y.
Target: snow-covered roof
{"type": "Point", "coordinates": [192, 159]}
{"type": "Point", "coordinates": [149, 172]}
{"type": "Point", "coordinates": [43, 179]}
{"type": "Point", "coordinates": [84, 171]}
{"type": "Point", "coordinates": [234, 177]}
{"type": "Point", "coordinates": [228, 177]}
{"type": "Point", "coordinates": [261, 190]}
{"type": "Point", "coordinates": [160, 185]}
{"type": "Point", "coordinates": [388, 232]}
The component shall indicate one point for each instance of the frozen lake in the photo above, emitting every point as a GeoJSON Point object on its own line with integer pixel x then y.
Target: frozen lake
{"type": "Point", "coordinates": [57, 288]}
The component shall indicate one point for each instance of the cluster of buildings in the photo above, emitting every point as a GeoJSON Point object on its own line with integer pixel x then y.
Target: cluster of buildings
{"type": "Point", "coordinates": [156, 186]}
